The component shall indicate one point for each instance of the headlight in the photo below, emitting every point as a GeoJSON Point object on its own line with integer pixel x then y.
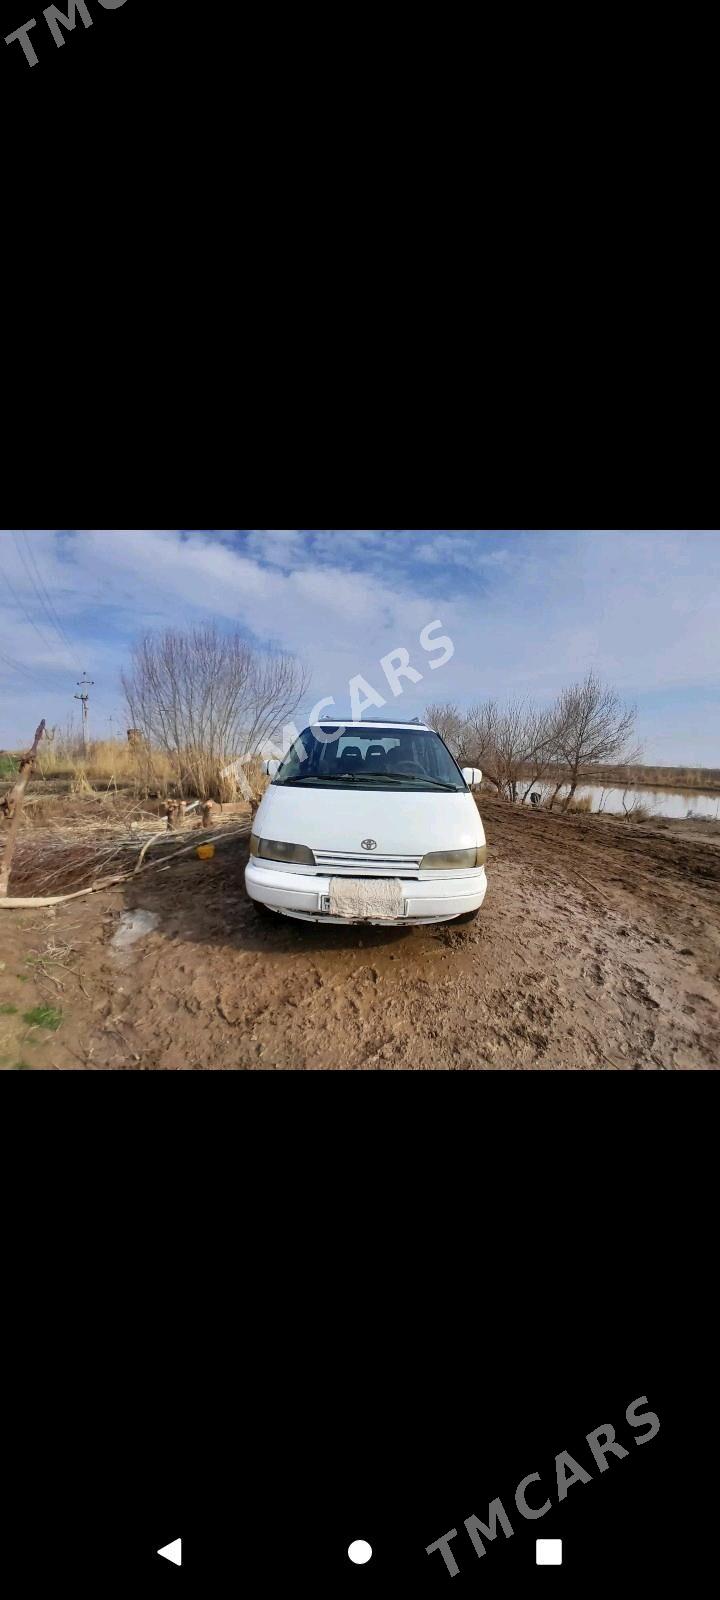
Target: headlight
{"type": "Point", "coordinates": [439, 860]}
{"type": "Point", "coordinates": [275, 850]}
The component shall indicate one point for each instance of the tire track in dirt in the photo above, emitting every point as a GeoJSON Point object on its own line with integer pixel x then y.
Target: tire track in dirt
{"type": "Point", "coordinates": [598, 946]}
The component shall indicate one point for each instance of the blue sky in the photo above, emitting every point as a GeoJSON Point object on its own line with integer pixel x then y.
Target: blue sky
{"type": "Point", "coordinates": [527, 612]}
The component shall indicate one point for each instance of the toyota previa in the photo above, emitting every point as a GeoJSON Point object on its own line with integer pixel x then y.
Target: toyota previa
{"type": "Point", "coordinates": [368, 822]}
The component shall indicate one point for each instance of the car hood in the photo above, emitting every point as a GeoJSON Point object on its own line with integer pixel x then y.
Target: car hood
{"type": "Point", "coordinates": [401, 823]}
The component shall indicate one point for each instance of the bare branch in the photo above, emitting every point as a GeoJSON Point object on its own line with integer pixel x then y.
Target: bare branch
{"type": "Point", "coordinates": [11, 808]}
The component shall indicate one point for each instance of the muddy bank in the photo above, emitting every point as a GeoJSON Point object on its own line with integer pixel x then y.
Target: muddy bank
{"type": "Point", "coordinates": [598, 946]}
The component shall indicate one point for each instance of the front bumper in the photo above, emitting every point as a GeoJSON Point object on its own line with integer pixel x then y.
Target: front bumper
{"type": "Point", "coordinates": [432, 899]}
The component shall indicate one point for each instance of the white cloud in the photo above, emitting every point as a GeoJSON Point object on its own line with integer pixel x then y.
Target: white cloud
{"type": "Point", "coordinates": [526, 613]}
{"type": "Point", "coordinates": [278, 547]}
{"type": "Point", "coordinates": [475, 551]}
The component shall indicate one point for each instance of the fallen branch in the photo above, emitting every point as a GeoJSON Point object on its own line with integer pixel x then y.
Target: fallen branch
{"type": "Point", "coordinates": [223, 834]}
{"type": "Point", "coordinates": [54, 899]}
{"type": "Point", "coordinates": [30, 902]}
{"type": "Point", "coordinates": [145, 847]}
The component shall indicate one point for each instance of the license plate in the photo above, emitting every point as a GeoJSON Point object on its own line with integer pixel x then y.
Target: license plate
{"type": "Point", "coordinates": [325, 909]}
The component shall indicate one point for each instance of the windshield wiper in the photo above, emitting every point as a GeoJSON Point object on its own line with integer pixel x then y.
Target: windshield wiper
{"type": "Point", "coordinates": [319, 777]}
{"type": "Point", "coordinates": [409, 777]}
{"type": "Point", "coordinates": [368, 777]}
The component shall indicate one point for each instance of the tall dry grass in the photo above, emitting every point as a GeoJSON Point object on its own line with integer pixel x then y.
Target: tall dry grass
{"type": "Point", "coordinates": [106, 761]}
{"type": "Point", "coordinates": [108, 758]}
{"type": "Point", "coordinates": [116, 763]}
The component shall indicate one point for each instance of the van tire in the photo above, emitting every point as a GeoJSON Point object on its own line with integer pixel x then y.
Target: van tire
{"type": "Point", "coordinates": [468, 916]}
{"type": "Point", "coordinates": [260, 908]}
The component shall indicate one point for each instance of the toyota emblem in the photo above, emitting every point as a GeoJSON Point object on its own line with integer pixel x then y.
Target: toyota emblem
{"type": "Point", "coordinates": [369, 844]}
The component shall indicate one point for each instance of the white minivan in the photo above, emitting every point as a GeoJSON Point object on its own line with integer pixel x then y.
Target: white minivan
{"type": "Point", "coordinates": [368, 822]}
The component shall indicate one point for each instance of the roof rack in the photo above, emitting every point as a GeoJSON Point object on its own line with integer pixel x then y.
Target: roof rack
{"type": "Point", "coordinates": [357, 722]}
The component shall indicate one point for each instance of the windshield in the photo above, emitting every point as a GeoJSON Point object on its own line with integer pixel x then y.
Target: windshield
{"type": "Point", "coordinates": [379, 757]}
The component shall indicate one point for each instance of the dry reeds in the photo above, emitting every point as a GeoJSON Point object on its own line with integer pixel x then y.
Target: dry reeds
{"type": "Point", "coordinates": [106, 761]}
{"type": "Point", "coordinates": [119, 765]}
{"type": "Point", "coordinates": [706, 779]}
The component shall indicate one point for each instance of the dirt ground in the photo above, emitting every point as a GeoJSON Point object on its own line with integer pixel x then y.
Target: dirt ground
{"type": "Point", "coordinates": [598, 946]}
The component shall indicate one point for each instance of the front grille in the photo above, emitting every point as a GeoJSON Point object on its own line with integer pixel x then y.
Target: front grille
{"type": "Point", "coordinates": [367, 864]}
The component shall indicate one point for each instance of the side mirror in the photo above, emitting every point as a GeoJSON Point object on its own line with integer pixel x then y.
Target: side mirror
{"type": "Point", "coordinates": [271, 767]}
{"type": "Point", "coordinates": [472, 775]}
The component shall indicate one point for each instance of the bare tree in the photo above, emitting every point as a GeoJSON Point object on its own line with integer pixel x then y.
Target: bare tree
{"type": "Point", "coordinates": [540, 732]}
{"type": "Point", "coordinates": [469, 735]}
{"type": "Point", "coordinates": [509, 747]}
{"type": "Point", "coordinates": [449, 723]}
{"type": "Point", "coordinates": [520, 744]}
{"type": "Point", "coordinates": [593, 726]}
{"type": "Point", "coordinates": [484, 737]}
{"type": "Point", "coordinates": [515, 745]}
{"type": "Point", "coordinates": [480, 742]}
{"type": "Point", "coordinates": [635, 807]}
{"type": "Point", "coordinates": [207, 698]}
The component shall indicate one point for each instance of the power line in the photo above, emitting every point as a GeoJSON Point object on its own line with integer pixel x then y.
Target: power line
{"type": "Point", "coordinates": [51, 603]}
{"type": "Point", "coordinates": [47, 645]}
{"type": "Point", "coordinates": [55, 624]}
{"type": "Point", "coordinates": [17, 666]}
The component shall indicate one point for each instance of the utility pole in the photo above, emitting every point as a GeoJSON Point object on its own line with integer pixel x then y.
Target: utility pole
{"type": "Point", "coordinates": [84, 684]}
